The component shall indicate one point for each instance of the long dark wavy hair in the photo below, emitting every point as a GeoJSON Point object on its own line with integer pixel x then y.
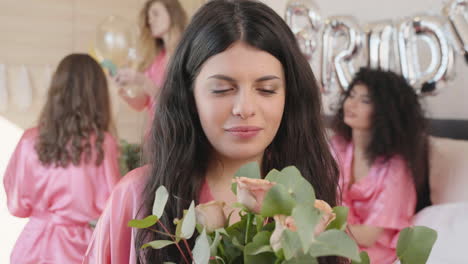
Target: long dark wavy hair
{"type": "Point", "coordinates": [76, 114]}
{"type": "Point", "coordinates": [181, 151]}
{"type": "Point", "coordinates": [398, 125]}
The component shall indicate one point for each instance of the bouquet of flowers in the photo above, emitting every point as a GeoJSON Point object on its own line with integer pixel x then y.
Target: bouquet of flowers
{"type": "Point", "coordinates": [281, 221]}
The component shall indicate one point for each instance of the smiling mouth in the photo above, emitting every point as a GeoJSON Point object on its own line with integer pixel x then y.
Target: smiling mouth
{"type": "Point", "coordinates": [244, 132]}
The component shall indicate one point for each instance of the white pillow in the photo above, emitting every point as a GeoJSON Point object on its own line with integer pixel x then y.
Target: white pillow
{"type": "Point", "coordinates": [448, 170]}
{"type": "Point", "coordinates": [449, 220]}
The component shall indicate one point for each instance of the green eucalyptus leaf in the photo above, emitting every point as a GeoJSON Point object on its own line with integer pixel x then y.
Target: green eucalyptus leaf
{"type": "Point", "coordinates": [277, 201]}
{"type": "Point", "coordinates": [201, 250]}
{"type": "Point", "coordinates": [339, 223]}
{"type": "Point", "coordinates": [259, 250]}
{"type": "Point", "coordinates": [334, 243]}
{"type": "Point", "coordinates": [249, 170]}
{"type": "Point", "coordinates": [158, 244]}
{"type": "Point", "coordinates": [143, 223]}
{"type": "Point", "coordinates": [188, 223]}
{"type": "Point", "coordinates": [297, 186]}
{"type": "Point", "coordinates": [160, 200]}
{"type": "Point", "coordinates": [273, 175]}
{"type": "Point", "coordinates": [306, 218]}
{"type": "Point", "coordinates": [415, 244]}
{"type": "Point", "coordinates": [291, 244]}
{"type": "Point", "coordinates": [259, 241]}
{"type": "Point", "coordinates": [302, 259]}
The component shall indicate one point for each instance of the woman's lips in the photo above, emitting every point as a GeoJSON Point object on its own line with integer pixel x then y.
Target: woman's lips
{"type": "Point", "coordinates": [244, 132]}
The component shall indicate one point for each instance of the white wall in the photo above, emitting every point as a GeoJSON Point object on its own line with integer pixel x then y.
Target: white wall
{"type": "Point", "coordinates": [10, 226]}
{"type": "Point", "coordinates": [450, 103]}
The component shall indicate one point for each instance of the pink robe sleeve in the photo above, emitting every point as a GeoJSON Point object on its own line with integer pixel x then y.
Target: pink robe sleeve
{"type": "Point", "coordinates": [18, 187]}
{"type": "Point", "coordinates": [112, 240]}
{"type": "Point", "coordinates": [394, 205]}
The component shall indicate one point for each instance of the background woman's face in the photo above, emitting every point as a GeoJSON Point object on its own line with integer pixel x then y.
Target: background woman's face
{"type": "Point", "coordinates": [159, 19]}
{"type": "Point", "coordinates": [358, 108]}
{"type": "Point", "coordinates": [240, 96]}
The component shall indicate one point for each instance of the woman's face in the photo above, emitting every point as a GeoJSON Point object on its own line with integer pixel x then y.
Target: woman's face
{"type": "Point", "coordinates": [240, 96]}
{"type": "Point", "coordinates": [158, 19]}
{"type": "Point", "coordinates": [358, 108]}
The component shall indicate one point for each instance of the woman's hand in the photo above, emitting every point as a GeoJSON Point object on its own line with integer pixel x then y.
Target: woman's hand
{"type": "Point", "coordinates": [128, 76]}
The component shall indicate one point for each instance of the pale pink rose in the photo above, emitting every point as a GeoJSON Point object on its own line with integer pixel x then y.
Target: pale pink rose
{"type": "Point", "coordinates": [282, 222]}
{"type": "Point", "coordinates": [211, 215]}
{"type": "Point", "coordinates": [327, 216]}
{"type": "Point", "coordinates": [251, 192]}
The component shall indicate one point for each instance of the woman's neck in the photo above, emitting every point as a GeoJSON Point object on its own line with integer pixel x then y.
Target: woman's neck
{"type": "Point", "coordinates": [361, 140]}
{"type": "Point", "coordinates": [222, 170]}
{"type": "Point", "coordinates": [168, 40]}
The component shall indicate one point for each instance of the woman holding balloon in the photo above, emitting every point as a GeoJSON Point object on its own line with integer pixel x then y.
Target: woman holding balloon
{"type": "Point", "coordinates": [161, 25]}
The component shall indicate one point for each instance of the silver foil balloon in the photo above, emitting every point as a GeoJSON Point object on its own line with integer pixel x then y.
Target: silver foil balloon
{"type": "Point", "coordinates": [457, 12]}
{"type": "Point", "coordinates": [429, 30]}
{"type": "Point", "coordinates": [303, 17]}
{"type": "Point", "coordinates": [342, 43]}
{"type": "Point", "coordinates": [382, 46]}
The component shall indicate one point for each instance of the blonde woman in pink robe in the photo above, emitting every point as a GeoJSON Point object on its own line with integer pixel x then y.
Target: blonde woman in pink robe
{"type": "Point", "coordinates": [62, 171]}
{"type": "Point", "coordinates": [381, 144]}
{"type": "Point", "coordinates": [238, 90]}
{"type": "Point", "coordinates": [161, 24]}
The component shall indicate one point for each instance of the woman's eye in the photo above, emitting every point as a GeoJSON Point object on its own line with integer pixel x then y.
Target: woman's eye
{"type": "Point", "coordinates": [221, 90]}
{"type": "Point", "coordinates": [268, 91]}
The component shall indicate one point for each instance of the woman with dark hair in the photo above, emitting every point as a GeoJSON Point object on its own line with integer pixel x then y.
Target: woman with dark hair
{"type": "Point", "coordinates": [381, 145]}
{"type": "Point", "coordinates": [238, 90]}
{"type": "Point", "coordinates": [63, 171]}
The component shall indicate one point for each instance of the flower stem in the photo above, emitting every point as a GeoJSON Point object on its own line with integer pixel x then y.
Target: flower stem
{"type": "Point", "coordinates": [188, 248]}
{"type": "Point", "coordinates": [247, 228]}
{"type": "Point", "coordinates": [176, 243]}
{"type": "Point", "coordinates": [162, 233]}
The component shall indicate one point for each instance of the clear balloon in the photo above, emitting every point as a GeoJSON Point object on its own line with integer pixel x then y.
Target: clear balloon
{"type": "Point", "coordinates": [412, 33]}
{"type": "Point", "coordinates": [382, 46]}
{"type": "Point", "coordinates": [457, 12]}
{"type": "Point", "coordinates": [114, 41]}
{"type": "Point", "coordinates": [342, 43]}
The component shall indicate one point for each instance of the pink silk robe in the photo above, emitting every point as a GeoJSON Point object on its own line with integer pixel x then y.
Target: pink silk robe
{"type": "Point", "coordinates": [113, 241]}
{"type": "Point", "coordinates": [385, 198]}
{"type": "Point", "coordinates": [156, 72]}
{"type": "Point", "coordinates": [58, 201]}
